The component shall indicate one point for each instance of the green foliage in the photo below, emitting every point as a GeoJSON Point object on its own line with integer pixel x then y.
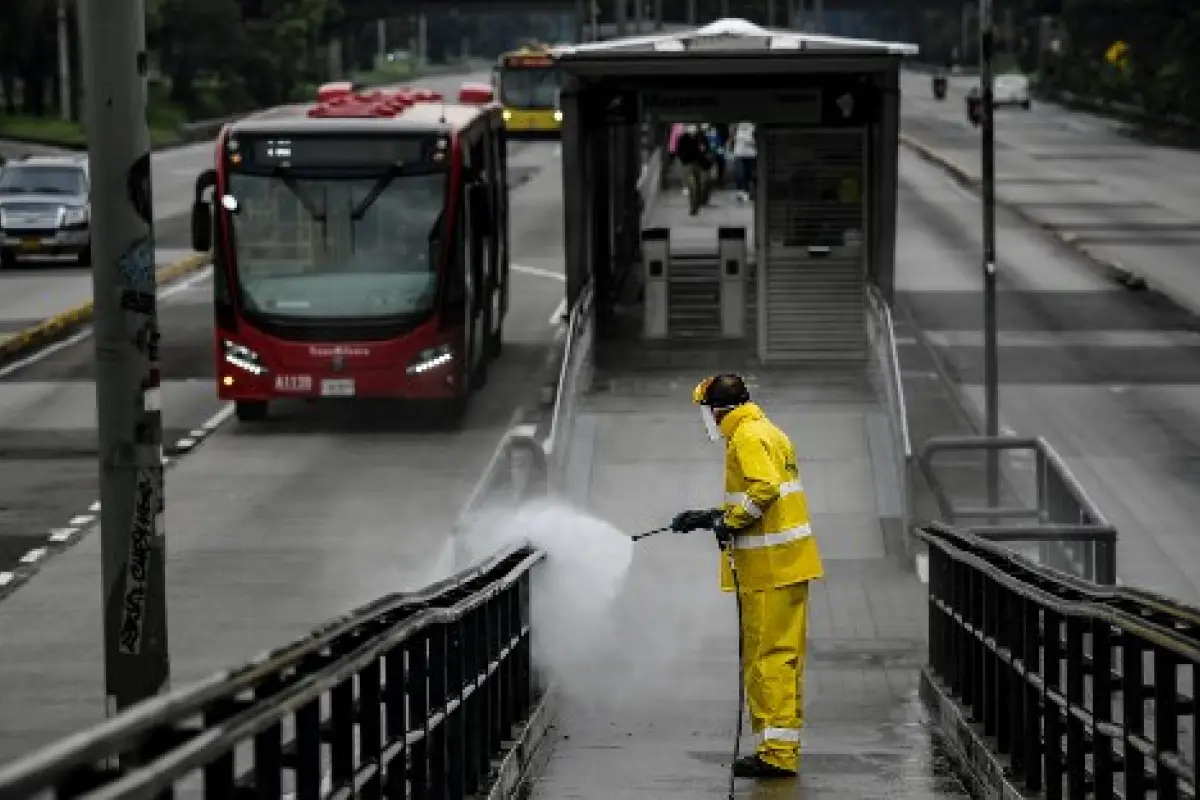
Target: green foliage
{"type": "Point", "coordinates": [1162, 75]}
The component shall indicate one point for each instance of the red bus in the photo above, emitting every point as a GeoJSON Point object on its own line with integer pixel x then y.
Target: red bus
{"type": "Point", "coordinates": [360, 250]}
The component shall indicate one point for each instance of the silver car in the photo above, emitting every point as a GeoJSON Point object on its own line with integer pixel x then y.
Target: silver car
{"type": "Point", "coordinates": [44, 210]}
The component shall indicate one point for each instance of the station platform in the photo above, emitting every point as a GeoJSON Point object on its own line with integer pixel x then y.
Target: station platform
{"type": "Point", "coordinates": [655, 715]}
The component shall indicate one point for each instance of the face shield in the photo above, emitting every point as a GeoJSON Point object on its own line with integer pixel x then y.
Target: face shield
{"type": "Point", "coordinates": [710, 423]}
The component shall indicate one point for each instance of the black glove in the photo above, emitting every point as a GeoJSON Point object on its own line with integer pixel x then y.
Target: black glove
{"type": "Point", "coordinates": [696, 519]}
{"type": "Point", "coordinates": [724, 534]}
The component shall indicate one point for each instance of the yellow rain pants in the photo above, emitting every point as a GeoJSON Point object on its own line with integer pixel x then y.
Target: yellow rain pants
{"type": "Point", "coordinates": [774, 638]}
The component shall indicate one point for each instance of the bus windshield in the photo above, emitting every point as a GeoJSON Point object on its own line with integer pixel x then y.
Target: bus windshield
{"type": "Point", "coordinates": [530, 87]}
{"type": "Point", "coordinates": [337, 248]}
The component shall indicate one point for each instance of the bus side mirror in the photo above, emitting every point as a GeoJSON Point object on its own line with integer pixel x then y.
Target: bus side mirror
{"type": "Point", "coordinates": [202, 218]}
{"type": "Point", "coordinates": [481, 208]}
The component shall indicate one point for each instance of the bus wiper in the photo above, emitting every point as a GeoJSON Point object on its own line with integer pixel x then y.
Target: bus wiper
{"type": "Point", "coordinates": [360, 211]}
{"type": "Point", "coordinates": [293, 187]}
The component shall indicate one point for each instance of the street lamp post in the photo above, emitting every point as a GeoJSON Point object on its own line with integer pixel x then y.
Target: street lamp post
{"type": "Point", "coordinates": [987, 42]}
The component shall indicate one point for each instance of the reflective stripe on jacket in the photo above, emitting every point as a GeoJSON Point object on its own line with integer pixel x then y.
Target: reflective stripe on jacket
{"type": "Point", "coordinates": [766, 504]}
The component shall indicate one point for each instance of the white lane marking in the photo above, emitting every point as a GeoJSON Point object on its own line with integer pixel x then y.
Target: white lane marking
{"type": "Point", "coordinates": [60, 535]}
{"type": "Point", "coordinates": [560, 313]}
{"type": "Point", "coordinates": [76, 338]}
{"type": "Point", "coordinates": [538, 272]}
{"type": "Point", "coordinates": [58, 539]}
{"type": "Point", "coordinates": [33, 556]}
{"type": "Point", "coordinates": [218, 419]}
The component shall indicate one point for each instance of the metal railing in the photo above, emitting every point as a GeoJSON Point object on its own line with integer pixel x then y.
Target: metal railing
{"type": "Point", "coordinates": [1086, 691]}
{"type": "Point", "coordinates": [888, 382]}
{"type": "Point", "coordinates": [410, 697]}
{"type": "Point", "coordinates": [574, 376]}
{"type": "Point", "coordinates": [1053, 522]}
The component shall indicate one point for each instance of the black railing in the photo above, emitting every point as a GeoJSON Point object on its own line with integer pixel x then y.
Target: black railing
{"type": "Point", "coordinates": [1087, 691]}
{"type": "Point", "coordinates": [1052, 513]}
{"type": "Point", "coordinates": [413, 696]}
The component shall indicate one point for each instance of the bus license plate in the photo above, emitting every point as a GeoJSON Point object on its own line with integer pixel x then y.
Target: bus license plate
{"type": "Point", "coordinates": [337, 387]}
{"type": "Point", "coordinates": [31, 244]}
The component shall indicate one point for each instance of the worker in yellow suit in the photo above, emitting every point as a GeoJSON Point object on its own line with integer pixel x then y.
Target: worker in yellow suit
{"type": "Point", "coordinates": [765, 531]}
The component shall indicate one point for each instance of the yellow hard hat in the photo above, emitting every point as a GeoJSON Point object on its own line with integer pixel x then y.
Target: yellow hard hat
{"type": "Point", "coordinates": [701, 389]}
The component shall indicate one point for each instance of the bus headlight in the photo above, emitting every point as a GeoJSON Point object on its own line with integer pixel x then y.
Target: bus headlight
{"type": "Point", "coordinates": [431, 358]}
{"type": "Point", "coordinates": [506, 114]}
{"type": "Point", "coordinates": [243, 357]}
{"type": "Point", "coordinates": [558, 116]}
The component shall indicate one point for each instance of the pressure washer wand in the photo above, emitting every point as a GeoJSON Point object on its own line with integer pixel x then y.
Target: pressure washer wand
{"type": "Point", "coordinates": [645, 534]}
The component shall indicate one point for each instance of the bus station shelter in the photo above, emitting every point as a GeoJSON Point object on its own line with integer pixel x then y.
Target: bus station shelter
{"type": "Point", "coordinates": [827, 111]}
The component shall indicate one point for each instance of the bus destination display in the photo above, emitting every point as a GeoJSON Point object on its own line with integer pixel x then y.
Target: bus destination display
{"type": "Point", "coordinates": [341, 151]}
{"type": "Point", "coordinates": [529, 61]}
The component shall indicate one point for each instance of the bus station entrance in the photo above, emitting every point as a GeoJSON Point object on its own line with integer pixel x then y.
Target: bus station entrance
{"type": "Point", "coordinates": [781, 278]}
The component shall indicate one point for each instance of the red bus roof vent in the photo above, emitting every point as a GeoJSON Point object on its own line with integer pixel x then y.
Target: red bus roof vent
{"type": "Point", "coordinates": [475, 94]}
{"type": "Point", "coordinates": [334, 89]}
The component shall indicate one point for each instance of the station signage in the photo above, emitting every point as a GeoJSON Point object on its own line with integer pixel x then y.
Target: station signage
{"type": "Point", "coordinates": [846, 105]}
{"type": "Point", "coordinates": [797, 106]}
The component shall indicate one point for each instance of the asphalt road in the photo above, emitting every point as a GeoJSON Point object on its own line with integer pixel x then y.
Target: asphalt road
{"type": "Point", "coordinates": [1083, 176]}
{"type": "Point", "coordinates": [47, 405]}
{"type": "Point", "coordinates": [273, 529]}
{"type": "Point", "coordinates": [1107, 375]}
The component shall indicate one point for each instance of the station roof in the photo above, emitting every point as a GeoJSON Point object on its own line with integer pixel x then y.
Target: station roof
{"type": "Point", "coordinates": [735, 35]}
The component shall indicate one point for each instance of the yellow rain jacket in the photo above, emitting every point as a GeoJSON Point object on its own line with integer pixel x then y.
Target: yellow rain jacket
{"type": "Point", "coordinates": [766, 505]}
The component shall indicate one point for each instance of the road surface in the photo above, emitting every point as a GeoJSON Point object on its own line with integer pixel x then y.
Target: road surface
{"type": "Point", "coordinates": [1083, 177]}
{"type": "Point", "coordinates": [47, 407]}
{"type": "Point", "coordinates": [275, 528]}
{"type": "Point", "coordinates": [1107, 375]}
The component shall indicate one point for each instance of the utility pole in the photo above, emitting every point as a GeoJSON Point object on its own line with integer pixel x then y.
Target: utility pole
{"type": "Point", "coordinates": [381, 42]}
{"type": "Point", "coordinates": [991, 357]}
{"type": "Point", "coordinates": [64, 62]}
{"type": "Point", "coordinates": [128, 397]}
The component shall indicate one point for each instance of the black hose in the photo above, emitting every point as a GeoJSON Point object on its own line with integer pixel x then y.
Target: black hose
{"type": "Point", "coordinates": [737, 736]}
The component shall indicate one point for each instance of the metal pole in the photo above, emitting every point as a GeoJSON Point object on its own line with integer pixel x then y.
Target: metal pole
{"type": "Point", "coordinates": [128, 397]}
{"type": "Point", "coordinates": [64, 62]}
{"type": "Point", "coordinates": [991, 366]}
{"type": "Point", "coordinates": [381, 40]}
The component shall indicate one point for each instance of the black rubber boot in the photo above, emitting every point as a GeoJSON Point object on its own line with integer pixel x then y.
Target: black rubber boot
{"type": "Point", "coordinates": [755, 767]}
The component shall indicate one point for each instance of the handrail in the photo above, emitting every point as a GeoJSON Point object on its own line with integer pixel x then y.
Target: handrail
{"type": "Point", "coordinates": [156, 737]}
{"type": "Point", "coordinates": [576, 356]}
{"type": "Point", "coordinates": [1182, 618]}
{"type": "Point", "coordinates": [881, 308]}
{"type": "Point", "coordinates": [1020, 648]}
{"type": "Point", "coordinates": [1064, 521]}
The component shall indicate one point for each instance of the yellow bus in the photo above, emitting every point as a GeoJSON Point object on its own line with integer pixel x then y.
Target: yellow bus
{"type": "Point", "coordinates": [527, 85]}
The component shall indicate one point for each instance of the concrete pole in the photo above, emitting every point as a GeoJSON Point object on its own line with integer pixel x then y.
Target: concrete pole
{"type": "Point", "coordinates": [639, 17]}
{"type": "Point", "coordinates": [818, 16]}
{"type": "Point", "coordinates": [64, 62]}
{"type": "Point", "coordinates": [381, 40]}
{"type": "Point", "coordinates": [658, 15]}
{"type": "Point", "coordinates": [128, 397]}
{"type": "Point", "coordinates": [991, 358]}
{"type": "Point", "coordinates": [691, 13]}
{"type": "Point", "coordinates": [621, 16]}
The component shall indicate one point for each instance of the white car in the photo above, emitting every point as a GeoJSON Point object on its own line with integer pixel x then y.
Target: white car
{"type": "Point", "coordinates": [1011, 90]}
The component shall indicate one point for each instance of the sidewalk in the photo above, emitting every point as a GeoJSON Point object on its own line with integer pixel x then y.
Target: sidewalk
{"type": "Point", "coordinates": [655, 718]}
